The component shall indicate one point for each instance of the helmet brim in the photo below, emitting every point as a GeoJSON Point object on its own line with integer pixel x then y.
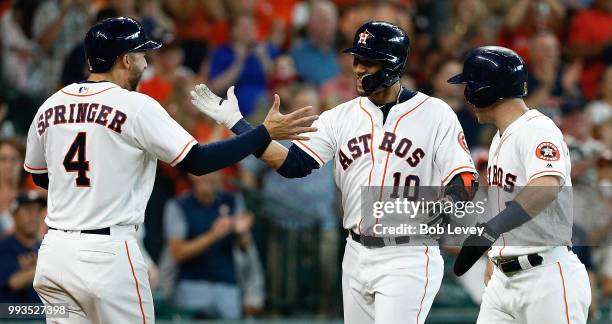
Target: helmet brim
{"type": "Point", "coordinates": [147, 46]}
{"type": "Point", "coordinates": [370, 54]}
{"type": "Point", "coordinates": [457, 79]}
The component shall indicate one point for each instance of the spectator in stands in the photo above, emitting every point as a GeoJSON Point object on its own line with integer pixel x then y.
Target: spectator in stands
{"type": "Point", "coordinates": [605, 187]}
{"type": "Point", "coordinates": [281, 81]}
{"type": "Point", "coordinates": [7, 129]}
{"type": "Point", "coordinates": [315, 56]}
{"type": "Point", "coordinates": [525, 18]}
{"type": "Point", "coordinates": [244, 62]}
{"type": "Point", "coordinates": [203, 129]}
{"type": "Point", "coordinates": [601, 109]}
{"type": "Point", "coordinates": [471, 21]}
{"type": "Point", "coordinates": [155, 22]}
{"type": "Point", "coordinates": [591, 41]}
{"type": "Point", "coordinates": [360, 12]}
{"type": "Point", "coordinates": [18, 252]}
{"type": "Point", "coordinates": [160, 76]}
{"type": "Point", "coordinates": [202, 227]}
{"type": "Point", "coordinates": [19, 51]}
{"type": "Point", "coordinates": [273, 17]}
{"type": "Point", "coordinates": [58, 27]}
{"type": "Point", "coordinates": [548, 84]}
{"type": "Point", "coordinates": [198, 23]}
{"type": "Point", "coordinates": [341, 88]}
{"type": "Point", "coordinates": [597, 211]}
{"type": "Point", "coordinates": [11, 178]}
{"type": "Point", "coordinates": [453, 96]}
{"type": "Point", "coordinates": [584, 151]}
{"type": "Point", "coordinates": [318, 189]}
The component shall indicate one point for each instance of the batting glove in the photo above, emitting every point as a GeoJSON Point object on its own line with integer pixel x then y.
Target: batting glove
{"type": "Point", "coordinates": [223, 111]}
{"type": "Point", "coordinates": [473, 248]}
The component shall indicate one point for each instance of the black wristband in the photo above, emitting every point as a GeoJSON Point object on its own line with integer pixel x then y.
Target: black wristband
{"type": "Point", "coordinates": [242, 126]}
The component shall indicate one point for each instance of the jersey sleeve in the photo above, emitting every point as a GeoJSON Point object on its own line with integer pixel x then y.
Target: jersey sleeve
{"type": "Point", "coordinates": [452, 155]}
{"type": "Point", "coordinates": [322, 143]}
{"type": "Point", "coordinates": [543, 153]}
{"type": "Point", "coordinates": [157, 133]}
{"type": "Point", "coordinates": [35, 161]}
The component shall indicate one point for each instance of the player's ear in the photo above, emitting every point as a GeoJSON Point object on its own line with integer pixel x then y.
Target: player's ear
{"type": "Point", "coordinates": [125, 60]}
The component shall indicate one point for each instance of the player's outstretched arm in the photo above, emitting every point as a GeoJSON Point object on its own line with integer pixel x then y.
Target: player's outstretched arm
{"type": "Point", "coordinates": [203, 159]}
{"type": "Point", "coordinates": [528, 203]}
{"type": "Point", "coordinates": [227, 113]}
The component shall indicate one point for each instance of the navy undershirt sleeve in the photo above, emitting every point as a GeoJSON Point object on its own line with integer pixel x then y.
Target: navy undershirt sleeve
{"type": "Point", "coordinates": [298, 163]}
{"type": "Point", "coordinates": [203, 159]}
{"type": "Point", "coordinates": [510, 218]}
{"type": "Point", "coordinates": [41, 180]}
{"type": "Point", "coordinates": [243, 126]}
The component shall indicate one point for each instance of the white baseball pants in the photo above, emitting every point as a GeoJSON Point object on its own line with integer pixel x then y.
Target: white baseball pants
{"type": "Point", "coordinates": [389, 285]}
{"type": "Point", "coordinates": [556, 292]}
{"type": "Point", "coordinates": [102, 278]}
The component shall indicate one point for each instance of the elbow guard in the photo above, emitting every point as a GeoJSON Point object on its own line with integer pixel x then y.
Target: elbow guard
{"type": "Point", "coordinates": [462, 187]}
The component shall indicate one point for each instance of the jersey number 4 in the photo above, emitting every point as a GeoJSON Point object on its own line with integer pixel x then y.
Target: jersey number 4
{"type": "Point", "coordinates": [81, 165]}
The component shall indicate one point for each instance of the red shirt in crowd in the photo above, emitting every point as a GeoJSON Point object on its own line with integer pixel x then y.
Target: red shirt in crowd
{"type": "Point", "coordinates": [592, 27]}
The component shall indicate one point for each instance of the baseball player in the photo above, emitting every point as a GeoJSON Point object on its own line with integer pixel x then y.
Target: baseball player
{"type": "Point", "coordinates": [95, 146]}
{"type": "Point", "coordinates": [536, 278]}
{"type": "Point", "coordinates": [387, 136]}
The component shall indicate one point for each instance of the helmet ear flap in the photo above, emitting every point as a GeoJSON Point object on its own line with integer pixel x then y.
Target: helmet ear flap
{"type": "Point", "coordinates": [381, 79]}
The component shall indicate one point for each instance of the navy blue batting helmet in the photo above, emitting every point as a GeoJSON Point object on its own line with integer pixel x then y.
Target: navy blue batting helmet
{"type": "Point", "coordinates": [385, 42]}
{"type": "Point", "coordinates": [111, 38]}
{"type": "Point", "coordinates": [491, 73]}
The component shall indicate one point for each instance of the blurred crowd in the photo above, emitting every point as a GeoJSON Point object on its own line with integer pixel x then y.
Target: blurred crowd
{"type": "Point", "coordinates": [202, 232]}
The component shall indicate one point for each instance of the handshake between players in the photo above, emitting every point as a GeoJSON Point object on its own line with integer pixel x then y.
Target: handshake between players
{"type": "Point", "coordinates": [226, 112]}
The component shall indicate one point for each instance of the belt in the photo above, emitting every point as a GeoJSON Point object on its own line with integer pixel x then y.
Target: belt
{"type": "Point", "coordinates": [521, 262]}
{"type": "Point", "coordinates": [100, 231]}
{"type": "Point", "coordinates": [373, 241]}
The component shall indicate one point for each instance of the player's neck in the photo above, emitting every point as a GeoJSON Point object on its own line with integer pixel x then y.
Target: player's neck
{"type": "Point", "coordinates": [110, 77]}
{"type": "Point", "coordinates": [386, 95]}
{"type": "Point", "coordinates": [507, 111]}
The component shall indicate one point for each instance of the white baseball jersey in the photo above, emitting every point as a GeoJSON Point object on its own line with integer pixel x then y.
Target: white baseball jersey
{"type": "Point", "coordinates": [420, 143]}
{"type": "Point", "coordinates": [531, 147]}
{"type": "Point", "coordinates": [100, 144]}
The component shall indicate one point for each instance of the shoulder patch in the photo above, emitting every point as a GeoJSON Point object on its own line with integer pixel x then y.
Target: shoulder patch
{"type": "Point", "coordinates": [547, 151]}
{"type": "Point", "coordinates": [463, 142]}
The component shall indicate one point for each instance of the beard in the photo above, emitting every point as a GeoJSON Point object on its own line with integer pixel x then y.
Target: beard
{"type": "Point", "coordinates": [134, 79]}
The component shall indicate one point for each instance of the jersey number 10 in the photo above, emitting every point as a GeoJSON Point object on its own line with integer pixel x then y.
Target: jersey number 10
{"type": "Point", "coordinates": [411, 186]}
{"type": "Point", "coordinates": [81, 165]}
